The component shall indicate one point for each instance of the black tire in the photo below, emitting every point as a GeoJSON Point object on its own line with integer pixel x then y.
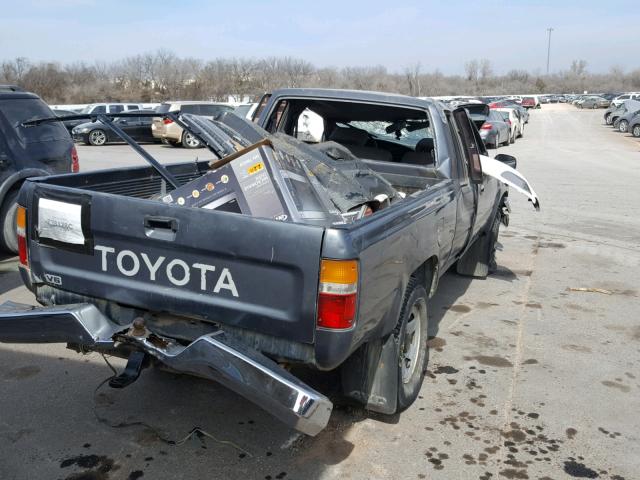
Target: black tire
{"type": "Point", "coordinates": [9, 237]}
{"type": "Point", "coordinates": [413, 356]}
{"type": "Point", "coordinates": [508, 140]}
{"type": "Point", "coordinates": [636, 130]}
{"type": "Point", "coordinates": [595, 105]}
{"type": "Point", "coordinates": [189, 141]}
{"type": "Point", "coordinates": [623, 126]}
{"type": "Point", "coordinates": [512, 138]}
{"type": "Point", "coordinates": [607, 119]}
{"type": "Point", "coordinates": [97, 137]}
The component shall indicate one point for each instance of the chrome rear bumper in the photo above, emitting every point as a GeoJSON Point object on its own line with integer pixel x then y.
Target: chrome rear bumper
{"type": "Point", "coordinates": [214, 356]}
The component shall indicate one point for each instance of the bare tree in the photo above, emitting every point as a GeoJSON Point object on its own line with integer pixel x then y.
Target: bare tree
{"type": "Point", "coordinates": [162, 75]}
{"type": "Point", "coordinates": [412, 74]}
{"type": "Point", "coordinates": [486, 72]}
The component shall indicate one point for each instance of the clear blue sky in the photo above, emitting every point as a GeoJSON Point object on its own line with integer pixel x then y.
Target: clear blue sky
{"type": "Point", "coordinates": [442, 35]}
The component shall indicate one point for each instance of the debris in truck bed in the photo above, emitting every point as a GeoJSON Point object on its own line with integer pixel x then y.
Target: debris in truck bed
{"type": "Point", "coordinates": [283, 179]}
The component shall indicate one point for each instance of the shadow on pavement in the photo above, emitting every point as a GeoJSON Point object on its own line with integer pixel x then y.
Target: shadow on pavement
{"type": "Point", "coordinates": [164, 425]}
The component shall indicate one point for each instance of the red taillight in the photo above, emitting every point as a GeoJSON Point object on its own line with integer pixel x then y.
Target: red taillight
{"type": "Point", "coordinates": [167, 121]}
{"type": "Point", "coordinates": [22, 251]}
{"type": "Point", "coordinates": [486, 126]}
{"type": "Point", "coordinates": [75, 160]}
{"type": "Point", "coordinates": [338, 294]}
{"type": "Point", "coordinates": [336, 311]}
{"type": "Point", "coordinates": [21, 230]}
{"type": "Point", "coordinates": [509, 122]}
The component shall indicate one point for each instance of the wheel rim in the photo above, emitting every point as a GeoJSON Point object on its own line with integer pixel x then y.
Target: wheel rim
{"type": "Point", "coordinates": [411, 343]}
{"type": "Point", "coordinates": [623, 126]}
{"type": "Point", "coordinates": [636, 131]}
{"type": "Point", "coordinates": [191, 141]}
{"type": "Point", "coordinates": [97, 137]}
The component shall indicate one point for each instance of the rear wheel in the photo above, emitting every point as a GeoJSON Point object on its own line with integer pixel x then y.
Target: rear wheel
{"type": "Point", "coordinates": [508, 140]}
{"type": "Point", "coordinates": [189, 141]}
{"type": "Point", "coordinates": [607, 119]}
{"type": "Point", "coordinates": [595, 105]}
{"type": "Point", "coordinates": [412, 341]}
{"type": "Point", "coordinates": [512, 138]}
{"type": "Point", "coordinates": [9, 237]}
{"type": "Point", "coordinates": [623, 126]}
{"type": "Point", "coordinates": [636, 131]}
{"type": "Point", "coordinates": [97, 137]}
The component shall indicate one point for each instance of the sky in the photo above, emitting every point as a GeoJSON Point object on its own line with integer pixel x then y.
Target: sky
{"type": "Point", "coordinates": [440, 35]}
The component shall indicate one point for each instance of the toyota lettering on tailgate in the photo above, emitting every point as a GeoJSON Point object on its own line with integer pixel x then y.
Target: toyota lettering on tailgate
{"type": "Point", "coordinates": [177, 271]}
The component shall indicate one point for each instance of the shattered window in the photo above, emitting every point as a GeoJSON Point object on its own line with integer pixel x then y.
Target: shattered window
{"type": "Point", "coordinates": [406, 132]}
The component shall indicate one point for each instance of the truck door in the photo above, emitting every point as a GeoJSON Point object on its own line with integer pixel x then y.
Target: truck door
{"type": "Point", "coordinates": [466, 190]}
{"type": "Point", "coordinates": [476, 194]}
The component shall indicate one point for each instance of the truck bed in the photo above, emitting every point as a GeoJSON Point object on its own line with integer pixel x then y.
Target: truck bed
{"type": "Point", "coordinates": [220, 267]}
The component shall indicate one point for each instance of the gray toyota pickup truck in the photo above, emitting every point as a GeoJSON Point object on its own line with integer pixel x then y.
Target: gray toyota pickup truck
{"type": "Point", "coordinates": [379, 195]}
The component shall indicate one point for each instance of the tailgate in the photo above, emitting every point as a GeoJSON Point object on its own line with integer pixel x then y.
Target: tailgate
{"type": "Point", "coordinates": [252, 273]}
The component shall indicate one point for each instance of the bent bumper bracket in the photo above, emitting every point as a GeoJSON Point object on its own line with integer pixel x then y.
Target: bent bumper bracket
{"type": "Point", "coordinates": [213, 356]}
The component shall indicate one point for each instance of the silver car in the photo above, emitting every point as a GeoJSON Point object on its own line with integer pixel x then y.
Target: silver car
{"type": "Point", "coordinates": [594, 102]}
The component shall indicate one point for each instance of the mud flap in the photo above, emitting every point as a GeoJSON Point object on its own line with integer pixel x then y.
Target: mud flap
{"type": "Point", "coordinates": [370, 375]}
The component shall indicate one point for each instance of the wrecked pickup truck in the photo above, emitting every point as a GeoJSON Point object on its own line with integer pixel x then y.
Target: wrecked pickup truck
{"type": "Point", "coordinates": [279, 252]}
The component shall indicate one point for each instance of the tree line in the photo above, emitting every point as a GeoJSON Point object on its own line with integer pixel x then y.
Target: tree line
{"type": "Point", "coordinates": [162, 75]}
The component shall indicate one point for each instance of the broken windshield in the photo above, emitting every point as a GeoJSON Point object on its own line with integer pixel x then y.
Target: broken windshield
{"type": "Point", "coordinates": [405, 132]}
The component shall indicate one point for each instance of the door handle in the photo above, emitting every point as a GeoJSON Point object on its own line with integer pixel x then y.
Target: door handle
{"type": "Point", "coordinates": [162, 228]}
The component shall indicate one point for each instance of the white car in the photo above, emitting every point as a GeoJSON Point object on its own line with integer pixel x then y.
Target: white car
{"type": "Point", "coordinates": [619, 100]}
{"type": "Point", "coordinates": [515, 122]}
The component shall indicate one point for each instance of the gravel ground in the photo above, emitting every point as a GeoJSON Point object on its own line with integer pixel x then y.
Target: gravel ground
{"type": "Point", "coordinates": [530, 377]}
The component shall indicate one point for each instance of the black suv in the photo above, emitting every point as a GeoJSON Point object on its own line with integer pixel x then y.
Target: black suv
{"type": "Point", "coordinates": [27, 152]}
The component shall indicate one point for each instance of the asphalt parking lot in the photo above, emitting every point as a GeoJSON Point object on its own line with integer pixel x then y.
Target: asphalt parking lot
{"type": "Point", "coordinates": [534, 373]}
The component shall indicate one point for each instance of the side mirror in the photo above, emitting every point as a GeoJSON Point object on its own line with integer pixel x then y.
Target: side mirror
{"type": "Point", "coordinates": [509, 160]}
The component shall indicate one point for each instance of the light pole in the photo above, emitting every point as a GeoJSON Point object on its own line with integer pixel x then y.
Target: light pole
{"type": "Point", "coordinates": [549, 30]}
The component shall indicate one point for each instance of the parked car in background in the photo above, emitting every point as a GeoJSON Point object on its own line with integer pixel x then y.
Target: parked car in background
{"type": "Point", "coordinates": [623, 121]}
{"type": "Point", "coordinates": [171, 133]}
{"type": "Point", "coordinates": [27, 152]}
{"type": "Point", "coordinates": [594, 102]}
{"type": "Point", "coordinates": [515, 122]}
{"type": "Point", "coordinates": [625, 96]}
{"type": "Point", "coordinates": [246, 110]}
{"type": "Point", "coordinates": [634, 125]}
{"type": "Point", "coordinates": [530, 102]}
{"type": "Point", "coordinates": [523, 112]}
{"type": "Point", "coordinates": [68, 124]}
{"type": "Point", "coordinates": [608, 112]}
{"type": "Point", "coordinates": [627, 106]}
{"type": "Point", "coordinates": [97, 134]}
{"type": "Point", "coordinates": [111, 107]}
{"type": "Point", "coordinates": [495, 131]}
